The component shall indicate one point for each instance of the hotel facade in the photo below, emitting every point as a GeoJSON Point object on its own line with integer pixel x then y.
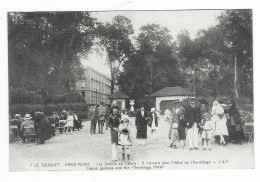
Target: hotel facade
{"type": "Point", "coordinates": [94, 86]}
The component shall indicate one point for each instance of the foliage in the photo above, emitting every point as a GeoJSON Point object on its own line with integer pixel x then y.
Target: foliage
{"type": "Point", "coordinates": [69, 97]}
{"type": "Point", "coordinates": [152, 66]}
{"type": "Point", "coordinates": [23, 109]}
{"type": "Point", "coordinates": [23, 96]}
{"type": "Point", "coordinates": [115, 38]}
{"type": "Point", "coordinates": [45, 47]}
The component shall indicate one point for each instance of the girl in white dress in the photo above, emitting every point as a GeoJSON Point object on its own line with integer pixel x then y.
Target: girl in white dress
{"type": "Point", "coordinates": [220, 121]}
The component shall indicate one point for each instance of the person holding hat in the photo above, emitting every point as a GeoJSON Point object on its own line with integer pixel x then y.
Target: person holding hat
{"type": "Point", "coordinates": [153, 122]}
{"type": "Point", "coordinates": [193, 118]}
{"type": "Point", "coordinates": [114, 121]}
{"type": "Point", "coordinates": [141, 121]}
{"type": "Point", "coordinates": [207, 128]}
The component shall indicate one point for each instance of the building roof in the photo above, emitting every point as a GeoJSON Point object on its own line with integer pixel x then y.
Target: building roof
{"type": "Point", "coordinates": [172, 91]}
{"type": "Point", "coordinates": [118, 95]}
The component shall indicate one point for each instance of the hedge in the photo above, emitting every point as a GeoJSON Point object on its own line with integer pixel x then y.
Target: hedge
{"type": "Point", "coordinates": [23, 96]}
{"type": "Point", "coordinates": [82, 109]}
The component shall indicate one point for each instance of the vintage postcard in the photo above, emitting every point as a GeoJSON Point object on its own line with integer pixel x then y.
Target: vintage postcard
{"type": "Point", "coordinates": [130, 90]}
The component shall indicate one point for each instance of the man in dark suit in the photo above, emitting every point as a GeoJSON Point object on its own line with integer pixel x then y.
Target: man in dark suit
{"type": "Point", "coordinates": [153, 122]}
{"type": "Point", "coordinates": [193, 118]}
{"type": "Point", "coordinates": [141, 125]}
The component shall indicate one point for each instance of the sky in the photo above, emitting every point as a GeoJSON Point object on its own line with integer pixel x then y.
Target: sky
{"type": "Point", "coordinates": [175, 21]}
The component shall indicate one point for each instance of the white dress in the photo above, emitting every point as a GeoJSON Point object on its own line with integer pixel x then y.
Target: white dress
{"type": "Point", "coordinates": [153, 127]}
{"type": "Point", "coordinates": [220, 123]}
{"type": "Point", "coordinates": [70, 122]}
{"type": "Point", "coordinates": [221, 127]}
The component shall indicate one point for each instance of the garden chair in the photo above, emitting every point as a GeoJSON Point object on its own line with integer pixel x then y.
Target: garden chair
{"type": "Point", "coordinates": [15, 133]}
{"type": "Point", "coordinates": [29, 133]}
{"type": "Point", "coordinates": [249, 130]}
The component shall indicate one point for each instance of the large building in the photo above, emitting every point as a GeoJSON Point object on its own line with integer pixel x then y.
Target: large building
{"type": "Point", "coordinates": [94, 86]}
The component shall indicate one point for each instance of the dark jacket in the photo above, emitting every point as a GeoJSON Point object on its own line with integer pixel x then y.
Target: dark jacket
{"type": "Point", "coordinates": [151, 119]}
{"type": "Point", "coordinates": [141, 125]}
{"type": "Point", "coordinates": [192, 115]}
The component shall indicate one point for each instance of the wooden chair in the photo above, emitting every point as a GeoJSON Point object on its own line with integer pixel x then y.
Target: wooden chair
{"type": "Point", "coordinates": [15, 133]}
{"type": "Point", "coordinates": [29, 133]}
{"type": "Point", "coordinates": [249, 130]}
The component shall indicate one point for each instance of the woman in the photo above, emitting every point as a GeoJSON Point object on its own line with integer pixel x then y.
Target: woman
{"type": "Point", "coordinates": [178, 118]}
{"type": "Point", "coordinates": [153, 123]}
{"type": "Point", "coordinates": [235, 123]}
{"type": "Point", "coordinates": [42, 127]}
{"type": "Point", "coordinates": [218, 116]}
{"type": "Point", "coordinates": [114, 121]}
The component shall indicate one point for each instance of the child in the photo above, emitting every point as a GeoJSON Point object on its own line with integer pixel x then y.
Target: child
{"type": "Point", "coordinates": [175, 135]}
{"type": "Point", "coordinates": [207, 128]}
{"type": "Point", "coordinates": [124, 138]}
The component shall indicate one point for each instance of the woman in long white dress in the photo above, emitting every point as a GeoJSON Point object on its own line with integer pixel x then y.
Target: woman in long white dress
{"type": "Point", "coordinates": [218, 116]}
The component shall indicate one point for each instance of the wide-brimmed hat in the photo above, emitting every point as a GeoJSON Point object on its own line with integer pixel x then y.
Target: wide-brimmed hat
{"type": "Point", "coordinates": [153, 109]}
{"type": "Point", "coordinates": [27, 116]}
{"type": "Point", "coordinates": [191, 98]}
{"type": "Point", "coordinates": [115, 106]}
{"type": "Point", "coordinates": [203, 101]}
{"type": "Point", "coordinates": [176, 101]}
{"type": "Point", "coordinates": [206, 115]}
{"type": "Point", "coordinates": [17, 115]}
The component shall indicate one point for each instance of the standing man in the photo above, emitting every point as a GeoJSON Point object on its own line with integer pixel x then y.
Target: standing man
{"type": "Point", "coordinates": [107, 116]}
{"type": "Point", "coordinates": [93, 123]}
{"type": "Point", "coordinates": [193, 118]}
{"type": "Point", "coordinates": [101, 117]}
{"type": "Point", "coordinates": [141, 125]}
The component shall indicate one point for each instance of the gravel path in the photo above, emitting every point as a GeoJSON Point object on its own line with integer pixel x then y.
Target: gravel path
{"type": "Point", "coordinates": [65, 150]}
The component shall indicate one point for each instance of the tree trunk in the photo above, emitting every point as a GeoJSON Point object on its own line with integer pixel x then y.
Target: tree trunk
{"type": "Point", "coordinates": [193, 81]}
{"type": "Point", "coordinates": [235, 77]}
{"type": "Point", "coordinates": [112, 77]}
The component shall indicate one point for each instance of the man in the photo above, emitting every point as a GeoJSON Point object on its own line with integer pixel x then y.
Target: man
{"type": "Point", "coordinates": [141, 125]}
{"type": "Point", "coordinates": [27, 122]}
{"type": "Point", "coordinates": [54, 120]}
{"type": "Point", "coordinates": [204, 109]}
{"type": "Point", "coordinates": [93, 120]}
{"type": "Point", "coordinates": [193, 118]}
{"type": "Point", "coordinates": [153, 122]}
{"type": "Point", "coordinates": [101, 117]}
{"type": "Point", "coordinates": [107, 116]}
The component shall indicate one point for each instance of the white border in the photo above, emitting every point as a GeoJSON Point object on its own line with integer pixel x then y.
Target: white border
{"type": "Point", "coordinates": [97, 5]}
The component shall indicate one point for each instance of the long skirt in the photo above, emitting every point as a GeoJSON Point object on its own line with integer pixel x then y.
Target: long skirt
{"type": "Point", "coordinates": [141, 133]}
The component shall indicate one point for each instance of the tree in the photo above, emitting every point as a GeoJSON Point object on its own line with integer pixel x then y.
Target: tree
{"type": "Point", "coordinates": [115, 38]}
{"type": "Point", "coordinates": [45, 47]}
{"type": "Point", "coordinates": [236, 25]}
{"type": "Point", "coordinates": [153, 66]}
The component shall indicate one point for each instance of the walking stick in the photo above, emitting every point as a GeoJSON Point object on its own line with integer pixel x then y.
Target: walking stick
{"type": "Point", "coordinates": [184, 142]}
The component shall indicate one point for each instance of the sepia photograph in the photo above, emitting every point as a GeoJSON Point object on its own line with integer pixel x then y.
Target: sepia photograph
{"type": "Point", "coordinates": [130, 90]}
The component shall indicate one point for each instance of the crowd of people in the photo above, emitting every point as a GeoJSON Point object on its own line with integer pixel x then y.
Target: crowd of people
{"type": "Point", "coordinates": [40, 127]}
{"type": "Point", "coordinates": [188, 123]}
